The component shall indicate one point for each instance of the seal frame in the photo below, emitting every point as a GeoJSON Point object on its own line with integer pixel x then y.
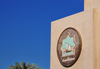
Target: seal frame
{"type": "Point", "coordinates": [80, 44]}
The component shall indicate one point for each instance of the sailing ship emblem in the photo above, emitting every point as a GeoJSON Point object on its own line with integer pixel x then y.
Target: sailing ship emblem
{"type": "Point", "coordinates": [69, 47]}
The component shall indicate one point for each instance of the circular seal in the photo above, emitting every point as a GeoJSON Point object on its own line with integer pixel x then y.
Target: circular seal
{"type": "Point", "coordinates": [69, 47]}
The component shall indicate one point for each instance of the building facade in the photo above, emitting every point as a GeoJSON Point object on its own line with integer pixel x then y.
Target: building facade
{"type": "Point", "coordinates": [75, 40]}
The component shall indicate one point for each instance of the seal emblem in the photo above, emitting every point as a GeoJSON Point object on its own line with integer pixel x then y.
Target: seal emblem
{"type": "Point", "coordinates": [69, 47]}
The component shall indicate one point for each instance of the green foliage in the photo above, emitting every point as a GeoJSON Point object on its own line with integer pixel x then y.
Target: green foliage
{"type": "Point", "coordinates": [24, 66]}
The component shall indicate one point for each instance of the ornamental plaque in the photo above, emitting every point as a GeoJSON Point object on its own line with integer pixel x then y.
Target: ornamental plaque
{"type": "Point", "coordinates": [69, 47]}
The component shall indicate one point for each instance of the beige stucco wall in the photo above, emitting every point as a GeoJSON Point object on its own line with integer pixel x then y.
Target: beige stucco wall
{"type": "Point", "coordinates": [83, 22]}
{"type": "Point", "coordinates": [96, 33]}
{"type": "Point", "coordinates": [95, 5]}
{"type": "Point", "coordinates": [91, 4]}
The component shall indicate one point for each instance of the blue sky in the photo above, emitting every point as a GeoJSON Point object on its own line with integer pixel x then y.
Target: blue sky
{"type": "Point", "coordinates": [25, 28]}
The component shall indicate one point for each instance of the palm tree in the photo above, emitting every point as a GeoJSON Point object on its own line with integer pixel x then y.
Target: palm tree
{"type": "Point", "coordinates": [23, 66]}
